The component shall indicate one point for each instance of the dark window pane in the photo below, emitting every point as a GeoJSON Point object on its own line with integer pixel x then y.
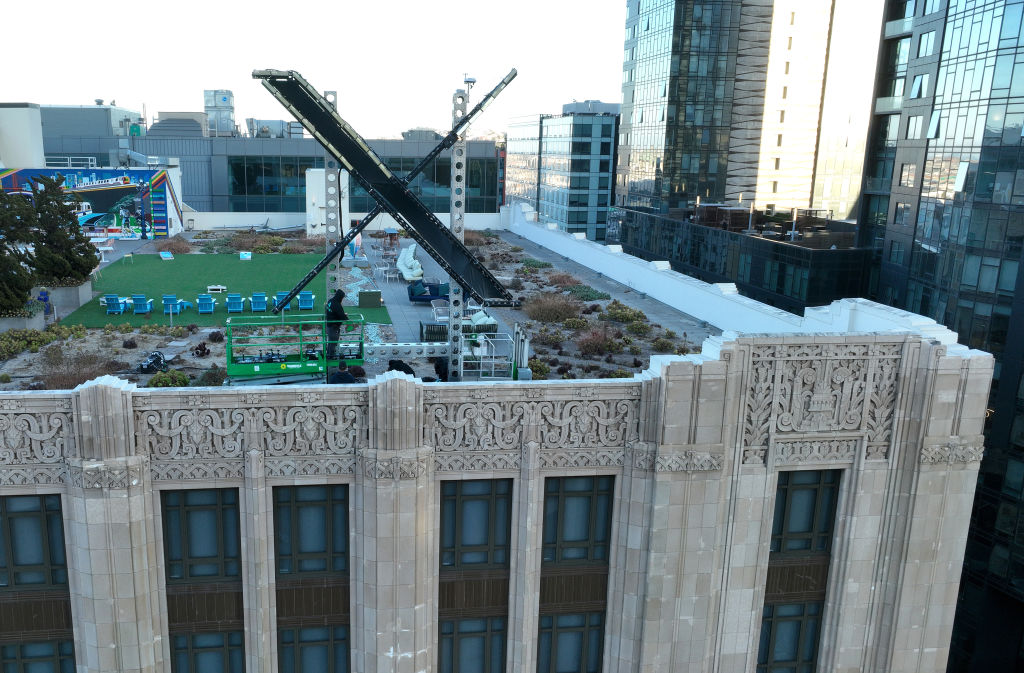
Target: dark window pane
{"type": "Point", "coordinates": [312, 537]}
{"type": "Point", "coordinates": [201, 528]}
{"type": "Point", "coordinates": [475, 526]}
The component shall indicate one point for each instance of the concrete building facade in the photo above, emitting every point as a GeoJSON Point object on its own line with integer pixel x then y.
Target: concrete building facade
{"type": "Point", "coordinates": [261, 174]}
{"type": "Point", "coordinates": [648, 524]}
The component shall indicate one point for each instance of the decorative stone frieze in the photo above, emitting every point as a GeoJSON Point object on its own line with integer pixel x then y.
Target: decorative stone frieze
{"type": "Point", "coordinates": [394, 467]}
{"type": "Point", "coordinates": [951, 453]}
{"type": "Point", "coordinates": [795, 452]}
{"type": "Point", "coordinates": [104, 475]}
{"type": "Point", "coordinates": [470, 461]}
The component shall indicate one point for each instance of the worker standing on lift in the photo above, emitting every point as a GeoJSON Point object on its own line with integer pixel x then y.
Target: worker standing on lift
{"type": "Point", "coordinates": [334, 315]}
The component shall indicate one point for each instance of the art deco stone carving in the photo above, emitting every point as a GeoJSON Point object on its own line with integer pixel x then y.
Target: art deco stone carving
{"type": "Point", "coordinates": [815, 451]}
{"type": "Point", "coordinates": [22, 475]}
{"type": "Point", "coordinates": [312, 430]}
{"type": "Point", "coordinates": [393, 468]}
{"type": "Point", "coordinates": [644, 456]}
{"type": "Point", "coordinates": [688, 461]}
{"type": "Point", "coordinates": [181, 470]}
{"type": "Point", "coordinates": [469, 461]}
{"type": "Point", "coordinates": [581, 458]}
{"type": "Point", "coordinates": [812, 387]}
{"type": "Point", "coordinates": [104, 476]}
{"type": "Point", "coordinates": [507, 424]}
{"type": "Point", "coordinates": [33, 437]}
{"type": "Point", "coordinates": [228, 431]}
{"type": "Point", "coordinates": [951, 453]}
{"type": "Point", "coordinates": [191, 433]}
{"type": "Point", "coordinates": [306, 467]}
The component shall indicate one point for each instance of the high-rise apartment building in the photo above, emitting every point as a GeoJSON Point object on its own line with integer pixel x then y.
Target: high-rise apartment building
{"type": "Point", "coordinates": [762, 100]}
{"type": "Point", "coordinates": [944, 209]}
{"type": "Point", "coordinates": [741, 103]}
{"type": "Point", "coordinates": [563, 165]}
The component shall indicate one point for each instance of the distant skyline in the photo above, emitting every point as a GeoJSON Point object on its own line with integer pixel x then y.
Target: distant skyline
{"type": "Point", "coordinates": [394, 63]}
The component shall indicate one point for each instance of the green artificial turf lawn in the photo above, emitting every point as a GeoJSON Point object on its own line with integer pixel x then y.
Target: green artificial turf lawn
{"type": "Point", "coordinates": [188, 275]}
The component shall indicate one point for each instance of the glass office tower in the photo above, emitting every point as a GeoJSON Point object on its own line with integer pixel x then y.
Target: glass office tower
{"type": "Point", "coordinates": [562, 165]}
{"type": "Point", "coordinates": [944, 208]}
{"type": "Point", "coordinates": [735, 101]}
{"type": "Point", "coordinates": [740, 102]}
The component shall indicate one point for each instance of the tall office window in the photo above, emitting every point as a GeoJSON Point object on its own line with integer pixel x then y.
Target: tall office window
{"type": "Point", "coordinates": [207, 653]}
{"type": "Point", "coordinates": [47, 656]}
{"type": "Point", "coordinates": [802, 528]}
{"type": "Point", "coordinates": [314, 649]}
{"type": "Point", "coordinates": [577, 519]}
{"type": "Point", "coordinates": [201, 534]}
{"type": "Point", "coordinates": [31, 542]}
{"type": "Point", "coordinates": [570, 643]}
{"type": "Point", "coordinates": [789, 638]}
{"type": "Point", "coordinates": [475, 523]}
{"type": "Point", "coordinates": [805, 511]}
{"type": "Point", "coordinates": [311, 529]}
{"type": "Point", "coordinates": [472, 645]}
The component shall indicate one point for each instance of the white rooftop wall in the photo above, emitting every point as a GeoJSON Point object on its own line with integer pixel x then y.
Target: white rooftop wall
{"type": "Point", "coordinates": [720, 304]}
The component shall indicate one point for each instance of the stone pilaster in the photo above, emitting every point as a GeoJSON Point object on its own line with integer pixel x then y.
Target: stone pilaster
{"type": "Point", "coordinates": [112, 558]}
{"type": "Point", "coordinates": [394, 519]}
{"type": "Point", "coordinates": [524, 571]}
{"type": "Point", "coordinates": [627, 587]}
{"type": "Point", "coordinates": [258, 572]}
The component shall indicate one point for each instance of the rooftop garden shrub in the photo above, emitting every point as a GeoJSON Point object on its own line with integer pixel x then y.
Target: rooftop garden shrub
{"type": "Point", "coordinates": [552, 307]}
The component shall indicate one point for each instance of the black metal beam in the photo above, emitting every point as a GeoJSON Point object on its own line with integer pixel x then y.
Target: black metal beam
{"type": "Point", "coordinates": [445, 143]}
{"type": "Point", "coordinates": [343, 143]}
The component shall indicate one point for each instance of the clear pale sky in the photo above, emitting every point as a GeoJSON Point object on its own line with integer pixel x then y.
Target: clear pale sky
{"type": "Point", "coordinates": [394, 63]}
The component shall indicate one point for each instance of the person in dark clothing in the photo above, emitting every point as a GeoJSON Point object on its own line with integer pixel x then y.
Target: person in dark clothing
{"type": "Point", "coordinates": [343, 375]}
{"type": "Point", "coordinates": [441, 368]}
{"type": "Point", "coordinates": [359, 373]}
{"type": "Point", "coordinates": [334, 314]}
{"type": "Point", "coordinates": [400, 366]}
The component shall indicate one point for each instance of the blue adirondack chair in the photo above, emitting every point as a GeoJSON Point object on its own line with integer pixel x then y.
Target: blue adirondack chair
{"type": "Point", "coordinates": [258, 302]}
{"type": "Point", "coordinates": [234, 303]}
{"type": "Point", "coordinates": [306, 299]}
{"type": "Point", "coordinates": [113, 304]}
{"type": "Point", "coordinates": [205, 304]}
{"type": "Point", "coordinates": [280, 298]}
{"type": "Point", "coordinates": [140, 304]}
{"type": "Point", "coordinates": [173, 305]}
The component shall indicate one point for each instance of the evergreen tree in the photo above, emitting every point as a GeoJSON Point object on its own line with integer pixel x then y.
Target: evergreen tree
{"type": "Point", "coordinates": [17, 233]}
{"type": "Point", "coordinates": [63, 252]}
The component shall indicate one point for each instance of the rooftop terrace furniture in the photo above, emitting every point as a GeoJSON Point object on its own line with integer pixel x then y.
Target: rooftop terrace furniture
{"type": "Point", "coordinates": [205, 304]}
{"type": "Point", "coordinates": [408, 264]}
{"type": "Point", "coordinates": [114, 304]}
{"type": "Point", "coordinates": [440, 309]}
{"type": "Point", "coordinates": [306, 300]}
{"type": "Point", "coordinates": [425, 293]}
{"type": "Point", "coordinates": [438, 331]}
{"type": "Point", "coordinates": [258, 302]}
{"type": "Point", "coordinates": [173, 305]}
{"type": "Point", "coordinates": [433, 331]}
{"type": "Point", "coordinates": [234, 302]}
{"type": "Point", "coordinates": [140, 304]}
{"type": "Point", "coordinates": [279, 301]}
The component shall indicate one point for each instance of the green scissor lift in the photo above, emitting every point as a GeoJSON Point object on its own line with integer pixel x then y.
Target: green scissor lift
{"type": "Point", "coordinates": [265, 350]}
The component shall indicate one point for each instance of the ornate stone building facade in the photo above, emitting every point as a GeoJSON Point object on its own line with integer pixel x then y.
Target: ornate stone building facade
{"type": "Point", "coordinates": [698, 467]}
